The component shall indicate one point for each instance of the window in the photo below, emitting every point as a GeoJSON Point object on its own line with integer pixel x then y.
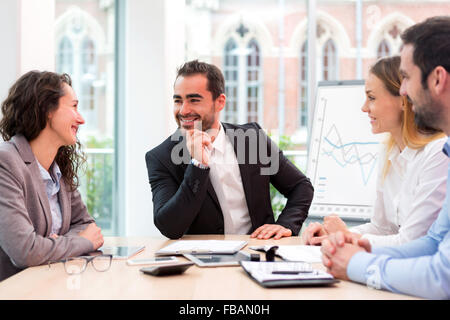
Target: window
{"type": "Point", "coordinates": [64, 59]}
{"type": "Point", "coordinates": [303, 85]}
{"type": "Point", "coordinates": [383, 49]}
{"type": "Point", "coordinates": [242, 69]}
{"type": "Point", "coordinates": [329, 61]}
{"type": "Point", "coordinates": [253, 66]}
{"type": "Point", "coordinates": [230, 70]}
{"type": "Point", "coordinates": [88, 76]}
{"type": "Point", "coordinates": [85, 33]}
{"type": "Point", "coordinates": [89, 61]}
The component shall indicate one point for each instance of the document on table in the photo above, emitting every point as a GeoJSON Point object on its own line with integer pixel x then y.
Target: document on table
{"type": "Point", "coordinates": [202, 246]}
{"type": "Point", "coordinates": [284, 273]}
{"type": "Point", "coordinates": [311, 254]}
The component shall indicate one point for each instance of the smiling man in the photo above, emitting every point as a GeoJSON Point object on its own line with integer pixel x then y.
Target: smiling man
{"type": "Point", "coordinates": [420, 267]}
{"type": "Point", "coordinates": [211, 177]}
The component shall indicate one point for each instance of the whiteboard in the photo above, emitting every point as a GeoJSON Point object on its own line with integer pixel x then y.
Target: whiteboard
{"type": "Point", "coordinates": [343, 155]}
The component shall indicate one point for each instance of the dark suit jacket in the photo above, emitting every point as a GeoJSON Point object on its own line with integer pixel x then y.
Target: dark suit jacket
{"type": "Point", "coordinates": [25, 216]}
{"type": "Point", "coordinates": [184, 201]}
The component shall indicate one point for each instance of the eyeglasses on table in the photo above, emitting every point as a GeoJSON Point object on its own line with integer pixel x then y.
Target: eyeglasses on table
{"type": "Point", "coordinates": [77, 265]}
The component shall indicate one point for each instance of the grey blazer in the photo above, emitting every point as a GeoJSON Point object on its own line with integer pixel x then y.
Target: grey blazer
{"type": "Point", "coordinates": [25, 217]}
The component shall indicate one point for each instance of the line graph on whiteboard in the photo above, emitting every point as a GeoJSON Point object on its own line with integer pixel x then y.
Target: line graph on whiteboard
{"type": "Point", "coordinates": [343, 158]}
{"type": "Point", "coordinates": [351, 153]}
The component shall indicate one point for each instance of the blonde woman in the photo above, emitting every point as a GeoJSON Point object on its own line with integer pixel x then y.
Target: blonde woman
{"type": "Point", "coordinates": [412, 181]}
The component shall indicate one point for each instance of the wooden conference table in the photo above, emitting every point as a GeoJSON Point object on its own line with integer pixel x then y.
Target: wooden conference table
{"type": "Point", "coordinates": [127, 282]}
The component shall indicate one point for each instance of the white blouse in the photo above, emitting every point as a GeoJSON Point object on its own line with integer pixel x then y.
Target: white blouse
{"type": "Point", "coordinates": [410, 197]}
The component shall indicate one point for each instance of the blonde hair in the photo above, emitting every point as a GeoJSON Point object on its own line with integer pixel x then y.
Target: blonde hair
{"type": "Point", "coordinates": [413, 136]}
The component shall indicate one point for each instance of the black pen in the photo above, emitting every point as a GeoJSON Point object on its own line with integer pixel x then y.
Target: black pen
{"type": "Point", "coordinates": [291, 272]}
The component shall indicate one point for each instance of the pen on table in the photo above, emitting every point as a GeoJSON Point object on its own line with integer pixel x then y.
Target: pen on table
{"type": "Point", "coordinates": [293, 272]}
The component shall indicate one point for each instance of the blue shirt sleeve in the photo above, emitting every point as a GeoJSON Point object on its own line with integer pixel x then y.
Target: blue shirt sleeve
{"type": "Point", "coordinates": [421, 267]}
{"type": "Point", "coordinates": [415, 248]}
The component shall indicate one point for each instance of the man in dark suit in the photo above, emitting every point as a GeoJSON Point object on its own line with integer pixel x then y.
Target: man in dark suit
{"type": "Point", "coordinates": [214, 178]}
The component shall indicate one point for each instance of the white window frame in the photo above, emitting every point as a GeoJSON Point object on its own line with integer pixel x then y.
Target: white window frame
{"type": "Point", "coordinates": [243, 85]}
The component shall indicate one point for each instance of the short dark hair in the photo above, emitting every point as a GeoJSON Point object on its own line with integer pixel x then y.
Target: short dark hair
{"type": "Point", "coordinates": [216, 81]}
{"type": "Point", "coordinates": [431, 43]}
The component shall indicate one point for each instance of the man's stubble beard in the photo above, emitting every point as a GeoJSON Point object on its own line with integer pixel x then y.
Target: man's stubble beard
{"type": "Point", "coordinates": [428, 113]}
{"type": "Point", "coordinates": [206, 122]}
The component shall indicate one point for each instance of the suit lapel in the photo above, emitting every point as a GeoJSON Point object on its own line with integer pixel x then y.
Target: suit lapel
{"type": "Point", "coordinates": [24, 149]}
{"type": "Point", "coordinates": [212, 193]}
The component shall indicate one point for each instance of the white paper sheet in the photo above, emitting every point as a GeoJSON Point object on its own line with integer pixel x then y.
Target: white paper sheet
{"type": "Point", "coordinates": [311, 254]}
{"type": "Point", "coordinates": [202, 246]}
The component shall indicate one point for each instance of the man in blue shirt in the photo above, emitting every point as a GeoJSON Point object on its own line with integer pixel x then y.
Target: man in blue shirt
{"type": "Point", "coordinates": [420, 267]}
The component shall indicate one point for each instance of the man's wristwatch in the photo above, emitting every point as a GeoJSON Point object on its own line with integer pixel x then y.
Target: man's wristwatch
{"type": "Point", "coordinates": [198, 164]}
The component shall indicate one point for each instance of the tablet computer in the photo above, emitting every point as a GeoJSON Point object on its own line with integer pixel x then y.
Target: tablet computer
{"type": "Point", "coordinates": [218, 260]}
{"type": "Point", "coordinates": [121, 252]}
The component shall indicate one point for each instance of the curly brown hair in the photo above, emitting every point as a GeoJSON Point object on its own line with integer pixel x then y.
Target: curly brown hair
{"type": "Point", "coordinates": [26, 110]}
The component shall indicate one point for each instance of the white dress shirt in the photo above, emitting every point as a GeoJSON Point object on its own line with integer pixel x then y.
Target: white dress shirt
{"type": "Point", "coordinates": [410, 197]}
{"type": "Point", "coordinates": [226, 179]}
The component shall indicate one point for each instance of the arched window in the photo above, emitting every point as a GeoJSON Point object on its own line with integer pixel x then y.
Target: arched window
{"type": "Point", "coordinates": [231, 82]}
{"type": "Point", "coordinates": [253, 81]}
{"type": "Point", "coordinates": [64, 57]}
{"type": "Point", "coordinates": [329, 61]}
{"type": "Point", "coordinates": [89, 64]}
{"type": "Point", "coordinates": [303, 120]}
{"type": "Point", "coordinates": [243, 79]}
{"type": "Point", "coordinates": [383, 49]}
{"type": "Point", "coordinates": [89, 73]}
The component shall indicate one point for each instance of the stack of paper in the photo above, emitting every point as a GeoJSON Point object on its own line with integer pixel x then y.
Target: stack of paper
{"type": "Point", "coordinates": [310, 254]}
{"type": "Point", "coordinates": [202, 246]}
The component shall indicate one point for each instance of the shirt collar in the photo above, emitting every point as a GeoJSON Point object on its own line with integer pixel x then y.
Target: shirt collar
{"type": "Point", "coordinates": [393, 154]}
{"type": "Point", "coordinates": [447, 147]}
{"type": "Point", "coordinates": [56, 172]}
{"type": "Point", "coordinates": [407, 154]}
{"type": "Point", "coordinates": [219, 142]}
